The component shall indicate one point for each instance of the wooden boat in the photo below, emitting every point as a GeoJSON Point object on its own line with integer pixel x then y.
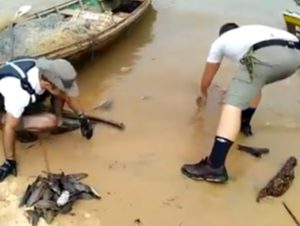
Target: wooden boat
{"type": "Point", "coordinates": [119, 20]}
{"type": "Point", "coordinates": [292, 21]}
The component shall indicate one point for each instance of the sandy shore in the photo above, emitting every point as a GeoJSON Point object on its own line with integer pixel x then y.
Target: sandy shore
{"type": "Point", "coordinates": [152, 74]}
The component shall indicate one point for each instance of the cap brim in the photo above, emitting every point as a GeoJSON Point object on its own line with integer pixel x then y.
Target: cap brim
{"type": "Point", "coordinates": [73, 91]}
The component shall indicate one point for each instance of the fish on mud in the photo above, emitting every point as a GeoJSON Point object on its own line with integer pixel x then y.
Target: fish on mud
{"type": "Point", "coordinates": [30, 188]}
{"type": "Point", "coordinates": [55, 194]}
{"type": "Point", "coordinates": [36, 192]}
{"type": "Point", "coordinates": [26, 195]}
{"type": "Point", "coordinates": [85, 189]}
{"type": "Point", "coordinates": [46, 204]}
{"type": "Point", "coordinates": [76, 176]}
{"type": "Point", "coordinates": [33, 216]}
{"type": "Point", "coordinates": [281, 182]}
{"type": "Point", "coordinates": [49, 215]}
{"type": "Point", "coordinates": [255, 151]}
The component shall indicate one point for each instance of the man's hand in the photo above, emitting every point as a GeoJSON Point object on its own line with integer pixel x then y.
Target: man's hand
{"type": "Point", "coordinates": [208, 74]}
{"type": "Point", "coordinates": [201, 100]}
{"type": "Point", "coordinates": [85, 124]}
{"type": "Point", "coordinates": [86, 127]}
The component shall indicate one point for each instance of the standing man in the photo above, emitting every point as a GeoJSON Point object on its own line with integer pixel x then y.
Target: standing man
{"type": "Point", "coordinates": [23, 83]}
{"type": "Point", "coordinates": [265, 55]}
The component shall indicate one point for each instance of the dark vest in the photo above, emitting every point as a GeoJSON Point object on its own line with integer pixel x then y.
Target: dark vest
{"type": "Point", "coordinates": [18, 68]}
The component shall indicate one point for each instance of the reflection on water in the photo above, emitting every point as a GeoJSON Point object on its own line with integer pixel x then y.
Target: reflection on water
{"type": "Point", "coordinates": [128, 44]}
{"type": "Point", "coordinates": [118, 59]}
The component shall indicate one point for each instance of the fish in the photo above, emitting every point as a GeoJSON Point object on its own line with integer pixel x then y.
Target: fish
{"type": "Point", "coordinates": [281, 182]}
{"type": "Point", "coordinates": [83, 188]}
{"type": "Point", "coordinates": [36, 192]}
{"type": "Point", "coordinates": [26, 196]}
{"type": "Point", "coordinates": [33, 216]}
{"type": "Point", "coordinates": [48, 194]}
{"type": "Point", "coordinates": [76, 176]}
{"type": "Point", "coordinates": [54, 176]}
{"type": "Point", "coordinates": [49, 215]}
{"type": "Point", "coordinates": [86, 196]}
{"type": "Point", "coordinates": [46, 204]}
{"type": "Point", "coordinates": [55, 185]}
{"type": "Point", "coordinates": [28, 192]}
{"type": "Point", "coordinates": [67, 208]}
{"type": "Point", "coordinates": [70, 187]}
{"type": "Point", "coordinates": [53, 194]}
{"type": "Point", "coordinates": [255, 151]}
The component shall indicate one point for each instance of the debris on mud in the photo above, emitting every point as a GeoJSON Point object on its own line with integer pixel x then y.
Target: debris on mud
{"type": "Point", "coordinates": [281, 182]}
{"type": "Point", "coordinates": [104, 105]}
{"type": "Point", "coordinates": [54, 194]}
{"type": "Point", "coordinates": [255, 151]}
{"type": "Point", "coordinates": [138, 221]}
{"type": "Point", "coordinates": [291, 214]}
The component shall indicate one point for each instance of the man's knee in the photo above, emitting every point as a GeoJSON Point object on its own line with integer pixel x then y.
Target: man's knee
{"type": "Point", "coordinates": [50, 121]}
{"type": "Point", "coordinates": [39, 122]}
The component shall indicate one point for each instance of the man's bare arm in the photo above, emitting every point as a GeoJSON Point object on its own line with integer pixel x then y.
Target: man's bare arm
{"type": "Point", "coordinates": [209, 73]}
{"type": "Point", "coordinates": [74, 105]}
{"type": "Point", "coordinates": [71, 102]}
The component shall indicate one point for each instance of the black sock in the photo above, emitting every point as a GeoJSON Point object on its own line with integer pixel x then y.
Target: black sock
{"type": "Point", "coordinates": [219, 151]}
{"type": "Point", "coordinates": [11, 162]}
{"type": "Point", "coordinates": [246, 116]}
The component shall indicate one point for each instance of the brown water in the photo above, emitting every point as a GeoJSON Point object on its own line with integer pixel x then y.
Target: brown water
{"type": "Point", "coordinates": [152, 74]}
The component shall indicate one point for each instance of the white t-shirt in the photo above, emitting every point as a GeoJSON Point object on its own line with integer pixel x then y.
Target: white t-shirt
{"type": "Point", "coordinates": [15, 97]}
{"type": "Point", "coordinates": [235, 43]}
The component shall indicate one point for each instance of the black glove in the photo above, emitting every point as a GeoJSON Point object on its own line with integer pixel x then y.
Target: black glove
{"type": "Point", "coordinates": [85, 126]}
{"type": "Point", "coordinates": [9, 167]}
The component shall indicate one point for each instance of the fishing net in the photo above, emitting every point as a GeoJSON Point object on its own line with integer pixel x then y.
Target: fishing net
{"type": "Point", "coordinates": [50, 33]}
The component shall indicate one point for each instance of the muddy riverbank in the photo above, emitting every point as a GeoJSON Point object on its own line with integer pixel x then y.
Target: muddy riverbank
{"type": "Point", "coordinates": [153, 75]}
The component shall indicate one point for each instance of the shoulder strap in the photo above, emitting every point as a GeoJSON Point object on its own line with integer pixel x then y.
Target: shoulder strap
{"type": "Point", "coordinates": [24, 80]}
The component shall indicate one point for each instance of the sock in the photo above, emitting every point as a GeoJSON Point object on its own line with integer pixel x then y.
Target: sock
{"type": "Point", "coordinates": [11, 162]}
{"type": "Point", "coordinates": [219, 151]}
{"type": "Point", "coordinates": [246, 116]}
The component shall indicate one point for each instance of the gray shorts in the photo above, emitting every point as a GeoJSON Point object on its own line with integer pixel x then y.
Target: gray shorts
{"type": "Point", "coordinates": [272, 64]}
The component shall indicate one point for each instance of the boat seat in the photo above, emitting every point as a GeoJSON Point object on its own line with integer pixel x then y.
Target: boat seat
{"type": "Point", "coordinates": [92, 16]}
{"type": "Point", "coordinates": [81, 13]}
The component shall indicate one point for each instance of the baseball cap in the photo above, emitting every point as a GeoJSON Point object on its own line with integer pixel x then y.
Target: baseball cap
{"type": "Point", "coordinates": [60, 73]}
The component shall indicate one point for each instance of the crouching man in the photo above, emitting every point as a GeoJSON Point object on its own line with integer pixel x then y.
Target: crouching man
{"type": "Point", "coordinates": [24, 82]}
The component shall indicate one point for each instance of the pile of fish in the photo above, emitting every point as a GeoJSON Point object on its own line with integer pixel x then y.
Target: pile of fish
{"type": "Point", "coordinates": [54, 194]}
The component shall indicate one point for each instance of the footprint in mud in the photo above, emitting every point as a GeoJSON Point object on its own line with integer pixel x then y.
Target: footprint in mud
{"type": "Point", "coordinates": [138, 222]}
{"type": "Point", "coordinates": [117, 165]}
{"type": "Point", "coordinates": [173, 202]}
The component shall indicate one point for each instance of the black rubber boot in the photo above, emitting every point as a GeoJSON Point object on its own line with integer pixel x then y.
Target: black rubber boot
{"type": "Point", "coordinates": [9, 167]}
{"type": "Point", "coordinates": [246, 130]}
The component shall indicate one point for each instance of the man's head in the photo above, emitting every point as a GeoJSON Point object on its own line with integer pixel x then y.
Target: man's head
{"type": "Point", "coordinates": [58, 74]}
{"type": "Point", "coordinates": [227, 27]}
